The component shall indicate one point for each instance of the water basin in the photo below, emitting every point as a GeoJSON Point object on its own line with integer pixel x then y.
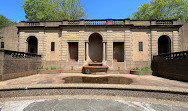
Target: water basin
{"type": "Point", "coordinates": [97, 80]}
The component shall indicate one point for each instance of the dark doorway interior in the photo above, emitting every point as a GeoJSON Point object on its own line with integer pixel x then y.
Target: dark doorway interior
{"type": "Point", "coordinates": [95, 47]}
{"type": "Point", "coordinates": [118, 51]}
{"type": "Point", "coordinates": [32, 44]}
{"type": "Point", "coordinates": [164, 44]}
{"type": "Point", "coordinates": [73, 51]}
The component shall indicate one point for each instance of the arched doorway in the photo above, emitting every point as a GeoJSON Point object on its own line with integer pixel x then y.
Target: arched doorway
{"type": "Point", "coordinates": [96, 47]}
{"type": "Point", "coordinates": [164, 44]}
{"type": "Point", "coordinates": [32, 44]}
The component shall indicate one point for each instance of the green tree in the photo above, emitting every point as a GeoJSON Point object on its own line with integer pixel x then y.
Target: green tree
{"type": "Point", "coordinates": [5, 21]}
{"type": "Point", "coordinates": [53, 9]}
{"type": "Point", "coordinates": [163, 9]}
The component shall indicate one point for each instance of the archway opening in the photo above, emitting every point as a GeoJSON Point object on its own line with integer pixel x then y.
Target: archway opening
{"type": "Point", "coordinates": [95, 47]}
{"type": "Point", "coordinates": [32, 44]}
{"type": "Point", "coordinates": [164, 44]}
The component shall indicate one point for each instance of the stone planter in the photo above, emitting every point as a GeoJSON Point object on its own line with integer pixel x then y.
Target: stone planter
{"type": "Point", "coordinates": [141, 72]}
{"type": "Point", "coordinates": [49, 71]}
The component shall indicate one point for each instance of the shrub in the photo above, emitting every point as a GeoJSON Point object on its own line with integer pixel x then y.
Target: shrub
{"type": "Point", "coordinates": [136, 68]}
{"type": "Point", "coordinates": [41, 68]}
{"type": "Point", "coordinates": [53, 68]}
{"type": "Point", "coordinates": [142, 69]}
{"type": "Point", "coordinates": [146, 69]}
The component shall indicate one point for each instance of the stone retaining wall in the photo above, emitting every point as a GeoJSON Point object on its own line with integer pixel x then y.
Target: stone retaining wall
{"type": "Point", "coordinates": [171, 65]}
{"type": "Point", "coordinates": [15, 64]}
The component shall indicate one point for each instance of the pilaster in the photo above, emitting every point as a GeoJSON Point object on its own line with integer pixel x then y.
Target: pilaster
{"type": "Point", "coordinates": [81, 47]}
{"type": "Point", "coordinates": [176, 45]}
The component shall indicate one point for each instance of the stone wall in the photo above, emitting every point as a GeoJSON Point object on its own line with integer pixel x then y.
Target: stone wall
{"type": "Point", "coordinates": [15, 64]}
{"type": "Point", "coordinates": [172, 65]}
{"type": "Point", "coordinates": [129, 32]}
{"type": "Point", "coordinates": [184, 37]}
{"type": "Point", "coordinates": [10, 37]}
{"type": "Point", "coordinates": [130, 37]}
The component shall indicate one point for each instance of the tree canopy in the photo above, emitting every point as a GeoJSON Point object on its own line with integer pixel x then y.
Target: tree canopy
{"type": "Point", "coordinates": [5, 21]}
{"type": "Point", "coordinates": [53, 9]}
{"type": "Point", "coordinates": [163, 9]}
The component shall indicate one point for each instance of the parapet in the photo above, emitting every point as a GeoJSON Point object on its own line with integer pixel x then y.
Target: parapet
{"type": "Point", "coordinates": [100, 22]}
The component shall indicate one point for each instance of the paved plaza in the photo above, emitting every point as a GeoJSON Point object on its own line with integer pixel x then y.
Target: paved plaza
{"type": "Point", "coordinates": [87, 105]}
{"type": "Point", "coordinates": [76, 102]}
{"type": "Point", "coordinates": [55, 79]}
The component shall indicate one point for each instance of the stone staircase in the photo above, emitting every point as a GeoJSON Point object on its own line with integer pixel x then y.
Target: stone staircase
{"type": "Point", "coordinates": [94, 67]}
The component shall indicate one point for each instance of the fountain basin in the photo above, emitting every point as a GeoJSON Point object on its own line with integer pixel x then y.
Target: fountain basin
{"type": "Point", "coordinates": [98, 80]}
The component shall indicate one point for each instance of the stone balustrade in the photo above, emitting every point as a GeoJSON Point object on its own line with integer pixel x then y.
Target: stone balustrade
{"type": "Point", "coordinates": [100, 22]}
{"type": "Point", "coordinates": [171, 65]}
{"type": "Point", "coordinates": [171, 56]}
{"type": "Point", "coordinates": [15, 64]}
{"type": "Point", "coordinates": [95, 22]}
{"type": "Point", "coordinates": [164, 22]}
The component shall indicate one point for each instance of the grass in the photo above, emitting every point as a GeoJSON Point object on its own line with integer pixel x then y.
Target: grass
{"type": "Point", "coordinates": [51, 68]}
{"type": "Point", "coordinates": [142, 69]}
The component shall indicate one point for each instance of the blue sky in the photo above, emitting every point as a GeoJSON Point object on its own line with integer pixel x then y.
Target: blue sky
{"type": "Point", "coordinates": [96, 9]}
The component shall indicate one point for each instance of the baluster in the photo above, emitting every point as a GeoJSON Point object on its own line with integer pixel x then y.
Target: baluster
{"type": "Point", "coordinates": [178, 55]}
{"type": "Point", "coordinates": [173, 56]}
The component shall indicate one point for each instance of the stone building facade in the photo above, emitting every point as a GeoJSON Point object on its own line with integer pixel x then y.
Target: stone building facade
{"type": "Point", "coordinates": [119, 44]}
{"type": "Point", "coordinates": [184, 37]}
{"type": "Point", "coordinates": [9, 37]}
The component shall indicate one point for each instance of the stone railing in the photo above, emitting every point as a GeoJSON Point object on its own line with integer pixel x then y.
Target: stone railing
{"type": "Point", "coordinates": [176, 55]}
{"type": "Point", "coordinates": [15, 64]}
{"type": "Point", "coordinates": [33, 23]}
{"type": "Point", "coordinates": [118, 22]}
{"type": "Point", "coordinates": [164, 22]}
{"type": "Point", "coordinates": [171, 56]}
{"type": "Point", "coordinates": [101, 22]}
{"type": "Point", "coordinates": [95, 22]}
{"type": "Point", "coordinates": [172, 65]}
{"type": "Point", "coordinates": [73, 22]}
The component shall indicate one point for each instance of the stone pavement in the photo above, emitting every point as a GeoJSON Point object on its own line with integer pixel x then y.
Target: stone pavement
{"type": "Point", "coordinates": [55, 79]}
{"type": "Point", "coordinates": [87, 105]}
{"type": "Point", "coordinates": [143, 82]}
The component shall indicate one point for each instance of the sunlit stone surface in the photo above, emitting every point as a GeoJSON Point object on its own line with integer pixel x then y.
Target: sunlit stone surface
{"type": "Point", "coordinates": [86, 105]}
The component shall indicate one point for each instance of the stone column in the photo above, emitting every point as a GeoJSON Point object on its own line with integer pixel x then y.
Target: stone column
{"type": "Point", "coordinates": [87, 51]}
{"type": "Point", "coordinates": [1, 63]}
{"type": "Point", "coordinates": [104, 52]}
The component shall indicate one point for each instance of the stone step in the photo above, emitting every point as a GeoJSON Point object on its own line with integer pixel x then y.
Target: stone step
{"type": "Point", "coordinates": [95, 64]}
{"type": "Point", "coordinates": [94, 69]}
